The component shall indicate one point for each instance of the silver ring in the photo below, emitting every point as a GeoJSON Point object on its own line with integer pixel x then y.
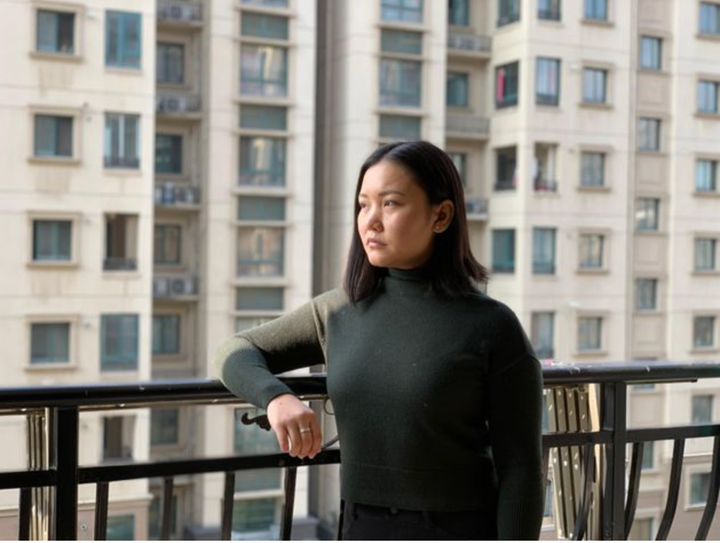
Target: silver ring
{"type": "Point", "coordinates": [303, 430]}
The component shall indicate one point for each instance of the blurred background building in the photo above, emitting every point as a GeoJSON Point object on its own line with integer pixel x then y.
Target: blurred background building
{"type": "Point", "coordinates": [173, 172]}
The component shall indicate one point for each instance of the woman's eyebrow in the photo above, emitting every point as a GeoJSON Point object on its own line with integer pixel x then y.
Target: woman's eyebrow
{"type": "Point", "coordinates": [383, 193]}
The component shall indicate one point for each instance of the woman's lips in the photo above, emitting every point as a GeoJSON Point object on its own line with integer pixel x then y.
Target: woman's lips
{"type": "Point", "coordinates": [374, 243]}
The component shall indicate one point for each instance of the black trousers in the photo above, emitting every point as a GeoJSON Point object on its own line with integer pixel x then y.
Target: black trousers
{"type": "Point", "coordinates": [361, 521]}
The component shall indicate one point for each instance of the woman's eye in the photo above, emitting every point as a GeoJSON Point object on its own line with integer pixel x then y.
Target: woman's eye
{"type": "Point", "coordinates": [390, 203]}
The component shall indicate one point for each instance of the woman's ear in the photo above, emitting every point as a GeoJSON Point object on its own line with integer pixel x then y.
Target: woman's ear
{"type": "Point", "coordinates": [443, 216]}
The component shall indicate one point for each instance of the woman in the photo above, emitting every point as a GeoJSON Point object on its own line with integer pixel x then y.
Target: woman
{"type": "Point", "coordinates": [436, 389]}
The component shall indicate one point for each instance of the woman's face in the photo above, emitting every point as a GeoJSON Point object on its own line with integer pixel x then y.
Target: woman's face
{"type": "Point", "coordinates": [396, 222]}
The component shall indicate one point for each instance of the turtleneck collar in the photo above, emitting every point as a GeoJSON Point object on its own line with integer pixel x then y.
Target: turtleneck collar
{"type": "Point", "coordinates": [415, 275]}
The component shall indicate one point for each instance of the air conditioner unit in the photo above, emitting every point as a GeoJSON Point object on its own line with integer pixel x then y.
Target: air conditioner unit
{"type": "Point", "coordinates": [160, 287]}
{"type": "Point", "coordinates": [178, 286]}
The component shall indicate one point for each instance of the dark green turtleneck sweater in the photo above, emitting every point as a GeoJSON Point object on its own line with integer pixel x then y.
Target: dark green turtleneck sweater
{"type": "Point", "coordinates": [437, 400]}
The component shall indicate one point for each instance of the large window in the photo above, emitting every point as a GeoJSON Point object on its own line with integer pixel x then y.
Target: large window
{"type": "Point", "coordinates": [120, 528]}
{"type": "Point", "coordinates": [264, 26]}
{"type": "Point", "coordinates": [549, 10]}
{"type": "Point", "coordinates": [646, 294]}
{"type": "Point", "coordinates": [262, 161]}
{"type": "Point", "coordinates": [263, 117]}
{"type": "Point", "coordinates": [260, 252]}
{"type": "Point", "coordinates": [400, 82]}
{"type": "Point", "coordinates": [168, 153]}
{"type": "Point", "coordinates": [589, 334]}
{"type": "Point", "coordinates": [648, 134]}
{"type": "Point", "coordinates": [503, 251]}
{"type": "Point", "coordinates": [506, 159]}
{"type": "Point", "coordinates": [170, 63]}
{"type": "Point", "coordinates": [52, 241]}
{"type": "Point", "coordinates": [543, 333]}
{"type": "Point", "coordinates": [592, 169]}
{"type": "Point", "coordinates": [118, 434]}
{"type": "Point", "coordinates": [650, 53]}
{"type": "Point", "coordinates": [261, 208]}
{"type": "Point", "coordinates": [168, 247]}
{"type": "Point", "coordinates": [709, 19]}
{"type": "Point", "coordinates": [53, 136]}
{"type": "Point", "coordinates": [121, 233]}
{"type": "Point", "coordinates": [166, 334]}
{"type": "Point", "coordinates": [259, 299]}
{"type": "Point", "coordinates": [702, 409]}
{"type": "Point", "coordinates": [547, 81]}
{"type": "Point", "coordinates": [508, 12]}
{"type": "Point", "coordinates": [50, 343]}
{"type": "Point", "coordinates": [401, 41]}
{"type": "Point", "coordinates": [699, 488]}
{"type": "Point", "coordinates": [544, 250]}
{"type": "Point", "coordinates": [704, 332]}
{"type": "Point", "coordinates": [164, 427]}
{"type": "Point", "coordinates": [409, 11]}
{"type": "Point", "coordinates": [122, 141]}
{"type": "Point", "coordinates": [399, 127]}
{"type": "Point", "coordinates": [55, 32]}
{"type": "Point", "coordinates": [647, 215]}
{"type": "Point", "coordinates": [123, 37]}
{"type": "Point", "coordinates": [506, 85]}
{"type": "Point", "coordinates": [591, 251]}
{"type": "Point", "coordinates": [119, 339]}
{"type": "Point", "coordinates": [459, 12]}
{"type": "Point", "coordinates": [457, 89]}
{"type": "Point", "coordinates": [594, 86]}
{"type": "Point", "coordinates": [708, 96]}
{"type": "Point", "coordinates": [706, 175]}
{"type": "Point", "coordinates": [596, 9]}
{"type": "Point", "coordinates": [705, 254]}
{"type": "Point", "coordinates": [263, 70]}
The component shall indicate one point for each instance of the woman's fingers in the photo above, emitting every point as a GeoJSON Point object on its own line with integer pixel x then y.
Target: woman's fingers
{"type": "Point", "coordinates": [317, 437]}
{"type": "Point", "coordinates": [282, 437]}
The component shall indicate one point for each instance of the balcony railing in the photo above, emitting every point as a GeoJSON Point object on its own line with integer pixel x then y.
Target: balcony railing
{"type": "Point", "coordinates": [119, 263]}
{"type": "Point", "coordinates": [53, 415]}
{"type": "Point", "coordinates": [175, 286]}
{"type": "Point", "coordinates": [468, 125]}
{"type": "Point", "coordinates": [545, 185]}
{"type": "Point", "coordinates": [177, 104]}
{"type": "Point", "coordinates": [179, 11]}
{"type": "Point", "coordinates": [469, 43]}
{"type": "Point", "coordinates": [176, 195]}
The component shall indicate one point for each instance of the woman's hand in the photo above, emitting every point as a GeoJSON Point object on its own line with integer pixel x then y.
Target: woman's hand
{"type": "Point", "coordinates": [287, 415]}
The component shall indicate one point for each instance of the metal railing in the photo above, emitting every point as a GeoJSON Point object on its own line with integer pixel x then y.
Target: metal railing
{"type": "Point", "coordinates": [469, 42]}
{"type": "Point", "coordinates": [175, 286]}
{"type": "Point", "coordinates": [173, 104]}
{"type": "Point", "coordinates": [179, 11]}
{"type": "Point", "coordinates": [468, 125]}
{"type": "Point", "coordinates": [119, 263]}
{"type": "Point", "coordinates": [54, 412]}
{"type": "Point", "coordinates": [176, 195]}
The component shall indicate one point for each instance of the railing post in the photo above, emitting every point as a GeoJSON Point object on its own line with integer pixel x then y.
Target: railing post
{"type": "Point", "coordinates": [38, 449]}
{"type": "Point", "coordinates": [614, 413]}
{"type": "Point", "coordinates": [65, 446]}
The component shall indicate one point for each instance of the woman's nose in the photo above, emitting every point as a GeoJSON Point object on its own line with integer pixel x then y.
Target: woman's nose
{"type": "Point", "coordinates": [373, 220]}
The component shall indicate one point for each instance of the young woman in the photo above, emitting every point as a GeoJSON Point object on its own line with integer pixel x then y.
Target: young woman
{"type": "Point", "coordinates": [436, 389]}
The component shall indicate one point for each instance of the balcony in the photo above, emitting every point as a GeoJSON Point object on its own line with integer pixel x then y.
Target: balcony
{"type": "Point", "coordinates": [469, 45]}
{"type": "Point", "coordinates": [178, 105]}
{"type": "Point", "coordinates": [596, 439]}
{"type": "Point", "coordinates": [476, 209]}
{"type": "Point", "coordinates": [175, 287]}
{"type": "Point", "coordinates": [179, 12]}
{"type": "Point", "coordinates": [177, 196]}
{"type": "Point", "coordinates": [467, 127]}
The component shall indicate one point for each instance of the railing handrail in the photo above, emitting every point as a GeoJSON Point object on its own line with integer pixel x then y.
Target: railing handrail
{"type": "Point", "coordinates": [140, 393]}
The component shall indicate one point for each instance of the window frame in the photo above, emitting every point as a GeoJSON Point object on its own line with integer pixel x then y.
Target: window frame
{"type": "Point", "coordinates": [123, 63]}
{"type": "Point", "coordinates": [605, 71]}
{"type": "Point", "coordinates": [590, 16]}
{"type": "Point", "coordinates": [127, 361]}
{"type": "Point", "coordinates": [715, 344]}
{"type": "Point", "coordinates": [714, 160]}
{"type": "Point", "coordinates": [658, 137]}
{"type": "Point", "coordinates": [282, 83]}
{"type": "Point", "coordinates": [73, 363]}
{"type": "Point", "coordinates": [660, 43]}
{"type": "Point", "coordinates": [714, 239]}
{"type": "Point", "coordinates": [654, 306]}
{"type": "Point", "coordinates": [699, 27]}
{"type": "Point", "coordinates": [124, 164]}
{"type": "Point", "coordinates": [514, 100]}
{"type": "Point", "coordinates": [183, 147]}
{"type": "Point", "coordinates": [605, 154]}
{"type": "Point", "coordinates": [79, 11]}
{"type": "Point", "coordinates": [402, 9]}
{"type": "Point", "coordinates": [181, 425]}
{"type": "Point", "coordinates": [541, 268]}
{"type": "Point", "coordinates": [75, 115]}
{"type": "Point", "coordinates": [505, 265]}
{"type": "Point", "coordinates": [165, 42]}
{"type": "Point", "coordinates": [605, 247]}
{"type": "Point", "coordinates": [464, 78]}
{"type": "Point", "coordinates": [604, 317]}
{"type": "Point", "coordinates": [75, 220]}
{"type": "Point", "coordinates": [514, 12]}
{"type": "Point", "coordinates": [548, 99]}
{"type": "Point", "coordinates": [714, 82]}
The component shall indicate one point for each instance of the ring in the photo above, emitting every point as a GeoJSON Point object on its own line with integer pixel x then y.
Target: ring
{"type": "Point", "coordinates": [303, 430]}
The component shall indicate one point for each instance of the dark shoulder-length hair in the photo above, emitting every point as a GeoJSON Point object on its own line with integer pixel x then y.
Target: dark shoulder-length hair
{"type": "Point", "coordinates": [452, 266]}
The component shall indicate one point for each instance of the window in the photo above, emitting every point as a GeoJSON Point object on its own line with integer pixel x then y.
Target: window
{"type": "Point", "coordinates": [118, 438]}
{"type": "Point", "coordinates": [457, 89]}
{"type": "Point", "coordinates": [119, 338]}
{"type": "Point", "coordinates": [704, 332]}
{"type": "Point", "coordinates": [544, 250]}
{"type": "Point", "coordinates": [401, 41]}
{"type": "Point", "coordinates": [262, 161]}
{"type": "Point", "coordinates": [260, 252]}
{"type": "Point", "coordinates": [543, 333]}
{"type": "Point", "coordinates": [122, 141]}
{"type": "Point", "coordinates": [263, 71]}
{"type": "Point", "coordinates": [399, 127]}
{"type": "Point", "coordinates": [170, 63]}
{"type": "Point", "coordinates": [591, 253]}
{"type": "Point", "coordinates": [648, 134]}
{"type": "Point", "coordinates": [164, 427]}
{"type": "Point", "coordinates": [459, 12]}
{"type": "Point", "coordinates": [594, 86]}
{"type": "Point", "coordinates": [549, 10]}
{"type": "Point", "coordinates": [167, 246]}
{"type": "Point", "coordinates": [708, 96]}
{"type": "Point", "coordinates": [256, 517]}
{"type": "Point", "coordinates": [254, 440]}
{"type": "Point", "coordinates": [460, 161]}
{"type": "Point", "coordinates": [263, 117]}
{"type": "Point", "coordinates": [55, 32]}
{"type": "Point", "coordinates": [52, 241]}
{"type": "Point", "coordinates": [705, 254]}
{"type": "Point", "coordinates": [120, 528]}
{"type": "Point", "coordinates": [646, 294]}
{"type": "Point", "coordinates": [264, 26]}
{"type": "Point", "coordinates": [642, 528]}
{"type": "Point", "coordinates": [709, 19]}
{"type": "Point", "coordinates": [647, 215]}
{"type": "Point", "coordinates": [596, 9]}
{"type": "Point", "coordinates": [503, 248]}
{"type": "Point", "coordinates": [699, 488]}
{"type": "Point", "coordinates": [409, 11]}
{"type": "Point", "coordinates": [246, 323]}
{"type": "Point", "coordinates": [506, 85]}
{"type": "Point", "coordinates": [648, 458]}
{"type": "Point", "coordinates": [547, 81]}
{"type": "Point", "coordinates": [123, 36]}
{"type": "Point", "coordinates": [508, 12]}
{"type": "Point", "coordinates": [702, 409]}
{"type": "Point", "coordinates": [706, 175]}
{"type": "Point", "coordinates": [259, 299]}
{"type": "Point", "coordinates": [589, 333]}
{"type": "Point", "coordinates": [168, 153]}
{"type": "Point", "coordinates": [261, 208]}
{"type": "Point", "coordinates": [166, 334]}
{"type": "Point", "coordinates": [506, 167]}
{"type": "Point", "coordinates": [544, 165]}
{"type": "Point", "coordinates": [592, 169]}
{"type": "Point", "coordinates": [53, 136]}
{"type": "Point", "coordinates": [650, 53]}
{"type": "Point", "coordinates": [120, 242]}
{"type": "Point", "coordinates": [50, 343]}
{"type": "Point", "coordinates": [400, 82]}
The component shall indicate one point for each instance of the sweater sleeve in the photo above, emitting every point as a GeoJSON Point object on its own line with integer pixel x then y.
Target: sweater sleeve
{"type": "Point", "coordinates": [515, 389]}
{"type": "Point", "coordinates": [247, 362]}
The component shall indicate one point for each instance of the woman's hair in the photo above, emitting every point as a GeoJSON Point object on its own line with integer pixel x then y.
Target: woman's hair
{"type": "Point", "coordinates": [452, 265]}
